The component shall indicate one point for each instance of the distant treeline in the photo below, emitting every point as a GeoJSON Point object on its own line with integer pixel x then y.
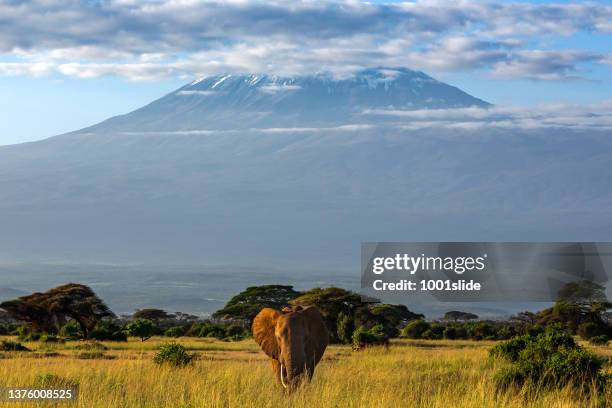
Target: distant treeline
{"type": "Point", "coordinates": [74, 311]}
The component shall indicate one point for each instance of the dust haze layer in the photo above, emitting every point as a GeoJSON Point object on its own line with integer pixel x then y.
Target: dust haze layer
{"type": "Point", "coordinates": [291, 173]}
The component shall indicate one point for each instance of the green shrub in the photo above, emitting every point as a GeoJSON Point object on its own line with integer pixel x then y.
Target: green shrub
{"type": "Point", "coordinates": [108, 330]}
{"type": "Point", "coordinates": [534, 329]}
{"type": "Point", "coordinates": [235, 332]}
{"type": "Point", "coordinates": [482, 331]}
{"type": "Point", "coordinates": [363, 337]}
{"type": "Point", "coordinates": [346, 328]}
{"type": "Point", "coordinates": [8, 345]}
{"type": "Point", "coordinates": [71, 331]}
{"type": "Point", "coordinates": [175, 331]}
{"type": "Point", "coordinates": [589, 329]}
{"type": "Point", "coordinates": [505, 332]}
{"type": "Point", "coordinates": [435, 332]}
{"type": "Point", "coordinates": [599, 340]}
{"type": "Point", "coordinates": [25, 334]}
{"type": "Point", "coordinates": [206, 329]}
{"type": "Point", "coordinates": [510, 349]}
{"type": "Point", "coordinates": [141, 328]}
{"type": "Point", "coordinates": [550, 359]}
{"type": "Point", "coordinates": [174, 355]}
{"type": "Point", "coordinates": [415, 329]}
{"type": "Point", "coordinates": [450, 333]}
{"type": "Point", "coordinates": [211, 330]}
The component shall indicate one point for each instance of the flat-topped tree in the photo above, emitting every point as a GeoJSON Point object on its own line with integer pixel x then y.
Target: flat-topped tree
{"type": "Point", "coordinates": [48, 311]}
{"type": "Point", "coordinates": [152, 314]}
{"type": "Point", "coordinates": [246, 304]}
{"type": "Point", "coordinates": [331, 302]}
{"type": "Point", "coordinates": [390, 317]}
{"type": "Point", "coordinates": [456, 315]}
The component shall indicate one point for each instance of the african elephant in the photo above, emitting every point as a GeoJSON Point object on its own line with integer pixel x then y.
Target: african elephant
{"type": "Point", "coordinates": [294, 339]}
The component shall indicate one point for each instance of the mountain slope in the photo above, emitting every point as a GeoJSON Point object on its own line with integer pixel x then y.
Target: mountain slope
{"type": "Point", "coordinates": [172, 183]}
{"type": "Point", "coordinates": [262, 101]}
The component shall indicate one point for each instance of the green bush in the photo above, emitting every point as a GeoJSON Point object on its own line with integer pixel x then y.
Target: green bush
{"type": "Point", "coordinates": [599, 340]}
{"type": "Point", "coordinates": [141, 328]}
{"type": "Point", "coordinates": [505, 332]}
{"type": "Point", "coordinates": [363, 337]}
{"type": "Point", "coordinates": [108, 330]}
{"type": "Point", "coordinates": [174, 355]}
{"type": "Point", "coordinates": [174, 331]}
{"type": "Point", "coordinates": [71, 331]}
{"type": "Point", "coordinates": [483, 331]}
{"type": "Point", "coordinates": [589, 329]}
{"type": "Point", "coordinates": [211, 330]}
{"type": "Point", "coordinates": [25, 334]}
{"type": "Point", "coordinates": [450, 333]}
{"type": "Point", "coordinates": [534, 329]}
{"type": "Point", "coordinates": [346, 328]}
{"type": "Point", "coordinates": [435, 332]}
{"type": "Point", "coordinates": [7, 345]}
{"type": "Point", "coordinates": [415, 329]}
{"type": "Point", "coordinates": [550, 359]}
{"type": "Point", "coordinates": [510, 349]}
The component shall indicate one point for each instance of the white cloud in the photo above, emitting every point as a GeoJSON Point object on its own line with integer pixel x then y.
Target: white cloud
{"type": "Point", "coordinates": [276, 88]}
{"type": "Point", "coordinates": [591, 116]}
{"type": "Point", "coordinates": [147, 40]}
{"type": "Point", "coordinates": [35, 69]}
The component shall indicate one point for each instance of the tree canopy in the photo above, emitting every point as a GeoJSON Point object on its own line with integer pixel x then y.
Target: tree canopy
{"type": "Point", "coordinates": [48, 311]}
{"type": "Point", "coordinates": [246, 304]}
{"type": "Point", "coordinates": [582, 293]}
{"type": "Point", "coordinates": [578, 303]}
{"type": "Point", "coordinates": [456, 315]}
{"type": "Point", "coordinates": [142, 328]}
{"type": "Point", "coordinates": [389, 317]}
{"type": "Point", "coordinates": [152, 314]}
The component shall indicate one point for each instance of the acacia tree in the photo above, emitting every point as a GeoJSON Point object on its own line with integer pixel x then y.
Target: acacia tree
{"type": "Point", "coordinates": [331, 302]}
{"type": "Point", "coordinates": [391, 318]}
{"type": "Point", "coordinates": [578, 303]}
{"type": "Point", "coordinates": [48, 311]}
{"type": "Point", "coordinates": [456, 315]}
{"type": "Point", "coordinates": [152, 314]}
{"type": "Point", "coordinates": [245, 305]}
{"type": "Point", "coordinates": [142, 328]}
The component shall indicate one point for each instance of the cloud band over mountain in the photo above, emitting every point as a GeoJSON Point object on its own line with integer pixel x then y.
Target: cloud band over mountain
{"type": "Point", "coordinates": [147, 40]}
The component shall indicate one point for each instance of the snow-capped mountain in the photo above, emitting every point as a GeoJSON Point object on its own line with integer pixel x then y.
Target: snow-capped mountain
{"type": "Point", "coordinates": [263, 101]}
{"type": "Point", "coordinates": [292, 174]}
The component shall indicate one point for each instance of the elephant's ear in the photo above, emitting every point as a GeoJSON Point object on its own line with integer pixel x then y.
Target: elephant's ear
{"type": "Point", "coordinates": [263, 331]}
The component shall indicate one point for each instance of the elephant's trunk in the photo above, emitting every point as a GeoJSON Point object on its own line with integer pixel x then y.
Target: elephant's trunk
{"type": "Point", "coordinates": [294, 365]}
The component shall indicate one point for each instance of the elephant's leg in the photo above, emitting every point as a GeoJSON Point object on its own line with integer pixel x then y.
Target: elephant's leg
{"type": "Point", "coordinates": [276, 367]}
{"type": "Point", "coordinates": [310, 367]}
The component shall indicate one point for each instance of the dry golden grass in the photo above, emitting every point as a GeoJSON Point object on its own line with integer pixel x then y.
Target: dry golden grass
{"type": "Point", "coordinates": [410, 374]}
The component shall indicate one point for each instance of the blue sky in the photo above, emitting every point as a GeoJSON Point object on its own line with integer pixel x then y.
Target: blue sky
{"type": "Point", "coordinates": [66, 64]}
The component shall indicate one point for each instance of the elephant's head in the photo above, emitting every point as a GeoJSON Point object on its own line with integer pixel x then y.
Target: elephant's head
{"type": "Point", "coordinates": [295, 340]}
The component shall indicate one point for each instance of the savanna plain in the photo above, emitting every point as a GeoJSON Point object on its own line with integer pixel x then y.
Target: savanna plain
{"type": "Point", "coordinates": [410, 373]}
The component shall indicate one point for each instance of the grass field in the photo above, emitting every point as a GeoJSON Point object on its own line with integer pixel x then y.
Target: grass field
{"type": "Point", "coordinates": [237, 374]}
